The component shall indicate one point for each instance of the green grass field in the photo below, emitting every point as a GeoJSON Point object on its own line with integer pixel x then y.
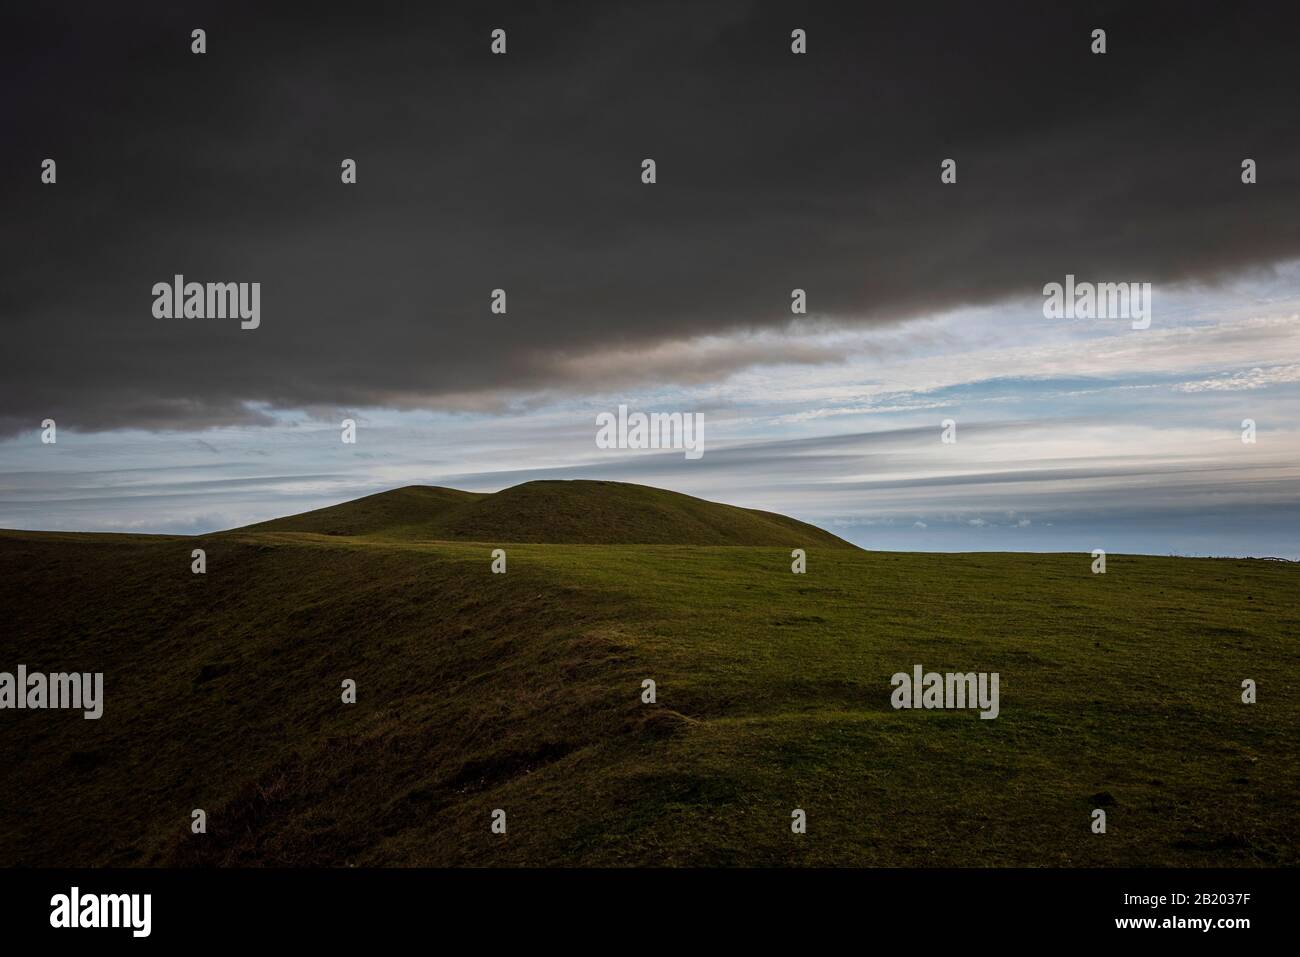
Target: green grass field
{"type": "Point", "coordinates": [522, 692]}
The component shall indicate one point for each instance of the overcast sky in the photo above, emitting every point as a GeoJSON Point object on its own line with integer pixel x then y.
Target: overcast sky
{"type": "Point", "coordinates": [775, 171]}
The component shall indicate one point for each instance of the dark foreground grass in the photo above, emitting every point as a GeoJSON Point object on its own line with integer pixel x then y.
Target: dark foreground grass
{"type": "Point", "coordinates": [522, 692]}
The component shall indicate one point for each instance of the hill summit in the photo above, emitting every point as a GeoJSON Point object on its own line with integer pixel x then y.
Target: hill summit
{"type": "Point", "coordinates": [553, 512]}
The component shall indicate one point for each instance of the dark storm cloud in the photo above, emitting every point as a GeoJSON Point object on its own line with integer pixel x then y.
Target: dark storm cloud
{"type": "Point", "coordinates": [522, 172]}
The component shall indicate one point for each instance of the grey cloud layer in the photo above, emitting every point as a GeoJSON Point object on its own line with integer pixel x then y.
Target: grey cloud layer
{"type": "Point", "coordinates": [522, 172]}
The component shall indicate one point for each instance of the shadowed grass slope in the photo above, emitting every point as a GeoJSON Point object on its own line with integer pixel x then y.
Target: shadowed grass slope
{"type": "Point", "coordinates": [574, 512]}
{"type": "Point", "coordinates": [401, 513]}
{"type": "Point", "coordinates": [523, 692]}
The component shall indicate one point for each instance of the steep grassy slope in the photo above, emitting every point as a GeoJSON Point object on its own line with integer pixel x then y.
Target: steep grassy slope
{"type": "Point", "coordinates": [576, 512]}
{"type": "Point", "coordinates": [401, 513]}
{"type": "Point", "coordinates": [522, 692]}
{"type": "Point", "coordinates": [223, 693]}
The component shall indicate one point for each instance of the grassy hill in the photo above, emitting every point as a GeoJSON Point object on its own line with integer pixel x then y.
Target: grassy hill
{"type": "Point", "coordinates": [522, 692]}
{"type": "Point", "coordinates": [401, 513]}
{"type": "Point", "coordinates": [575, 512]}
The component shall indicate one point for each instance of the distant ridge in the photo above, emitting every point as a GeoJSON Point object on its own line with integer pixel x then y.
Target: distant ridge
{"type": "Point", "coordinates": [553, 512]}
